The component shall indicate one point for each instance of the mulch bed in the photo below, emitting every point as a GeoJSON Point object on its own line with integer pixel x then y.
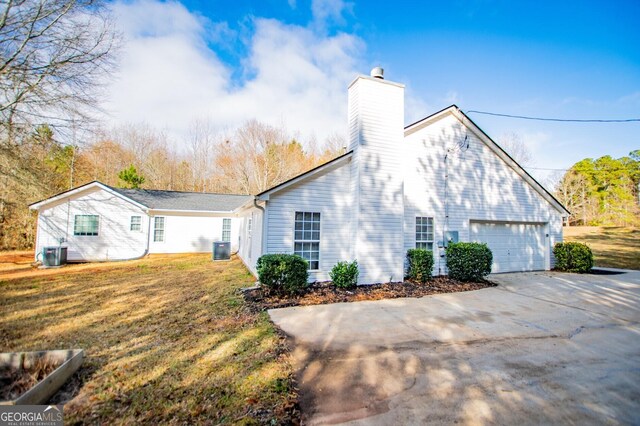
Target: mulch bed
{"type": "Point", "coordinates": [326, 292]}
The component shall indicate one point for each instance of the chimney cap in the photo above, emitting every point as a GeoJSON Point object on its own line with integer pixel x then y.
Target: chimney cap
{"type": "Point", "coordinates": [377, 72]}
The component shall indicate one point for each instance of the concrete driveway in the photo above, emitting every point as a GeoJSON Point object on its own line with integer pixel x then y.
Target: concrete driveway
{"type": "Point", "coordinates": [540, 348]}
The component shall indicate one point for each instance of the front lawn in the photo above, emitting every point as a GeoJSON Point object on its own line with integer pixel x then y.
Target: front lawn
{"type": "Point", "coordinates": [613, 247]}
{"type": "Point", "coordinates": [167, 339]}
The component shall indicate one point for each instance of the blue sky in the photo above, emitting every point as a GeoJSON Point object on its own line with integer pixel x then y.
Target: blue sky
{"type": "Point", "coordinates": [288, 62]}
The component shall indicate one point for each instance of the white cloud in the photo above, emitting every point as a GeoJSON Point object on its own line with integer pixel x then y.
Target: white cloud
{"type": "Point", "coordinates": [329, 12]}
{"type": "Point", "coordinates": [169, 76]}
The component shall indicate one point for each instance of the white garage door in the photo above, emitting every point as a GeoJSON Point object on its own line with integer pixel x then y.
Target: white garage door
{"type": "Point", "coordinates": [516, 246]}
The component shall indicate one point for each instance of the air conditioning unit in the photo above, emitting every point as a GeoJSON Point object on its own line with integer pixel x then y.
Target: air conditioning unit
{"type": "Point", "coordinates": [54, 256]}
{"type": "Point", "coordinates": [221, 250]}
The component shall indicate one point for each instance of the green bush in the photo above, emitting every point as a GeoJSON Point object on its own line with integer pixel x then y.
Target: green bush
{"type": "Point", "coordinates": [345, 274]}
{"type": "Point", "coordinates": [283, 273]}
{"type": "Point", "coordinates": [420, 264]}
{"type": "Point", "coordinates": [468, 261]}
{"type": "Point", "coordinates": [573, 257]}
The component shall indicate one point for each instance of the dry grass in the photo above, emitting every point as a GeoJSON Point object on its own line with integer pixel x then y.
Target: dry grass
{"type": "Point", "coordinates": [167, 339]}
{"type": "Point", "coordinates": [613, 247]}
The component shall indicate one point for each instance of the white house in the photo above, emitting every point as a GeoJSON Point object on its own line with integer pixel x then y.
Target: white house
{"type": "Point", "coordinates": [437, 180]}
{"type": "Point", "coordinates": [97, 222]}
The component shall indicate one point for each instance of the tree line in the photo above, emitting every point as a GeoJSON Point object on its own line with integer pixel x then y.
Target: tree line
{"type": "Point", "coordinates": [603, 191]}
{"type": "Point", "coordinates": [251, 159]}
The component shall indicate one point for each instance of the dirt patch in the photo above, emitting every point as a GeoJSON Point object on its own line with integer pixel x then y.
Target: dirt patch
{"type": "Point", "coordinates": [326, 292]}
{"type": "Point", "coordinates": [16, 381]}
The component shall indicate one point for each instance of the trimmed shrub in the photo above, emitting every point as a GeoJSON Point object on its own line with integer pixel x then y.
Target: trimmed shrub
{"type": "Point", "coordinates": [420, 264]}
{"type": "Point", "coordinates": [468, 261]}
{"type": "Point", "coordinates": [345, 274]}
{"type": "Point", "coordinates": [573, 257]}
{"type": "Point", "coordinates": [283, 273]}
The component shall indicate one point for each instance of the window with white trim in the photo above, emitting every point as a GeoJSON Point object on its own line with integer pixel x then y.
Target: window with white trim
{"type": "Point", "coordinates": [226, 230]}
{"type": "Point", "coordinates": [424, 232]}
{"type": "Point", "coordinates": [158, 229]}
{"type": "Point", "coordinates": [307, 238]}
{"type": "Point", "coordinates": [136, 223]}
{"type": "Point", "coordinates": [86, 225]}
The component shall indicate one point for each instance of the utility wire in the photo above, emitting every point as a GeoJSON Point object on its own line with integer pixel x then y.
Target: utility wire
{"type": "Point", "coordinates": [599, 169]}
{"type": "Point", "coordinates": [627, 120]}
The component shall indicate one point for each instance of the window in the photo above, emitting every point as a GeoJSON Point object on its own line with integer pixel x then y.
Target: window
{"type": "Point", "coordinates": [307, 238]}
{"type": "Point", "coordinates": [226, 229]}
{"type": "Point", "coordinates": [86, 224]}
{"type": "Point", "coordinates": [136, 223]}
{"type": "Point", "coordinates": [424, 232]}
{"type": "Point", "coordinates": [158, 229]}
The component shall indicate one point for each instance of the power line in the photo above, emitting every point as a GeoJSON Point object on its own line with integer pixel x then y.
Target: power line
{"type": "Point", "coordinates": [610, 169]}
{"type": "Point", "coordinates": [565, 120]}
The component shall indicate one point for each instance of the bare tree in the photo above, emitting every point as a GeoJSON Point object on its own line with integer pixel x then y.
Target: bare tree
{"type": "Point", "coordinates": [201, 151]}
{"type": "Point", "coordinates": [574, 193]}
{"type": "Point", "coordinates": [257, 157]}
{"type": "Point", "coordinates": [53, 54]}
{"type": "Point", "coordinates": [513, 144]}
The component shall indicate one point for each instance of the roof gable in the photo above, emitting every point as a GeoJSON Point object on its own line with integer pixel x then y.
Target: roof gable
{"type": "Point", "coordinates": [264, 195]}
{"type": "Point", "coordinates": [486, 139]}
{"type": "Point", "coordinates": [79, 190]}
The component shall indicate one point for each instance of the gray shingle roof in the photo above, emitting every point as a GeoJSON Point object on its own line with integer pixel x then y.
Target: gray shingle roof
{"type": "Point", "coordinates": [176, 200]}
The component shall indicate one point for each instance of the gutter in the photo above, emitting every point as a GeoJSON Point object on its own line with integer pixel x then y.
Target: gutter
{"type": "Point", "coordinates": [263, 240]}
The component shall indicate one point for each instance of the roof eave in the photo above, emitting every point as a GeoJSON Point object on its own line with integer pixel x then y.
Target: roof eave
{"type": "Point", "coordinates": [151, 210]}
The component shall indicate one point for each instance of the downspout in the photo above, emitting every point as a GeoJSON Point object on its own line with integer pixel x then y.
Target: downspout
{"type": "Point", "coordinates": [146, 250]}
{"type": "Point", "coordinates": [36, 249]}
{"type": "Point", "coordinates": [263, 240]}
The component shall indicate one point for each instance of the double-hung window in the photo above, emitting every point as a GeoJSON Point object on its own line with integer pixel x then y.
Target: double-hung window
{"type": "Point", "coordinates": [424, 232]}
{"type": "Point", "coordinates": [158, 229]}
{"type": "Point", "coordinates": [226, 230]}
{"type": "Point", "coordinates": [86, 225]}
{"type": "Point", "coordinates": [307, 237]}
{"type": "Point", "coordinates": [136, 223]}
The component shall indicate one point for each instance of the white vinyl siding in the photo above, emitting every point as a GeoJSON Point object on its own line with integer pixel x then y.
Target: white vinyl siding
{"type": "Point", "coordinates": [249, 236]}
{"type": "Point", "coordinates": [376, 122]}
{"type": "Point", "coordinates": [424, 233]}
{"type": "Point", "coordinates": [326, 193]}
{"type": "Point", "coordinates": [481, 187]}
{"type": "Point", "coordinates": [306, 242]}
{"type": "Point", "coordinates": [136, 223]}
{"type": "Point", "coordinates": [114, 240]}
{"type": "Point", "coordinates": [192, 233]}
{"type": "Point", "coordinates": [158, 229]}
{"type": "Point", "coordinates": [183, 232]}
{"type": "Point", "coordinates": [250, 224]}
{"type": "Point", "coordinates": [86, 225]}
